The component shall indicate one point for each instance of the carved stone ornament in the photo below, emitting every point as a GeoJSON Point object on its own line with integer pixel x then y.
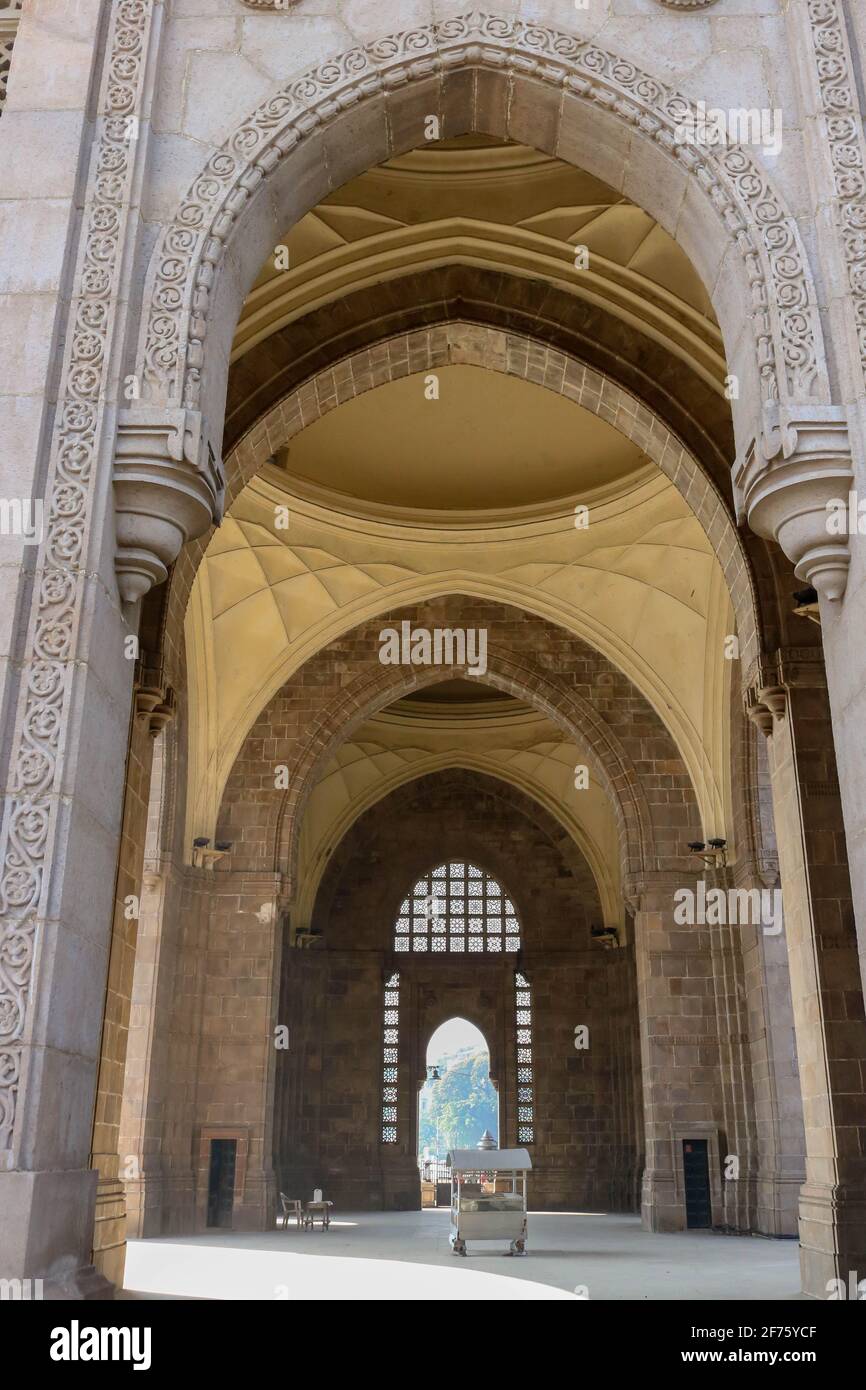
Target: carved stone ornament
{"type": "Point", "coordinates": [687, 4]}
{"type": "Point", "coordinates": [835, 87]}
{"type": "Point", "coordinates": [168, 489]}
{"type": "Point", "coordinates": [766, 699]}
{"type": "Point", "coordinates": [155, 707]}
{"type": "Point", "coordinates": [800, 464]}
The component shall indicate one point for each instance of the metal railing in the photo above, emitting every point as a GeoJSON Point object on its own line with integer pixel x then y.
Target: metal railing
{"type": "Point", "coordinates": [434, 1170]}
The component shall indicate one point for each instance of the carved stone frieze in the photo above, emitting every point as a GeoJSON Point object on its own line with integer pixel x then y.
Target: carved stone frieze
{"type": "Point", "coordinates": [800, 463]}
{"type": "Point", "coordinates": [168, 489]}
{"type": "Point", "coordinates": [836, 88]}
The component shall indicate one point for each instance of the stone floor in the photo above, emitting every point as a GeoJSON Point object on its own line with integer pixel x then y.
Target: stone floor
{"type": "Point", "coordinates": [405, 1255]}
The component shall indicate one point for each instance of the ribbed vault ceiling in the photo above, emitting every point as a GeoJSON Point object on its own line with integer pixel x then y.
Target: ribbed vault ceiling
{"type": "Point", "coordinates": [640, 583]}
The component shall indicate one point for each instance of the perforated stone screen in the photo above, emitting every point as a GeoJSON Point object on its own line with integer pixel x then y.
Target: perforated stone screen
{"type": "Point", "coordinates": [457, 907]}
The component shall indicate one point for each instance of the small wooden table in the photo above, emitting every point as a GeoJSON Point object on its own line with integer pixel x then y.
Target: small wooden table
{"type": "Point", "coordinates": [320, 1209]}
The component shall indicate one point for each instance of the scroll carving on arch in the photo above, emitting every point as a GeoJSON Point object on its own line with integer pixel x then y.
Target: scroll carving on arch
{"type": "Point", "coordinates": [687, 4]}
{"type": "Point", "coordinates": [836, 90]}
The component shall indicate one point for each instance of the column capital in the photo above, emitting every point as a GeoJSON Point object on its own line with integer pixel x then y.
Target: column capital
{"type": "Point", "coordinates": [798, 463]}
{"type": "Point", "coordinates": [773, 676]}
{"type": "Point", "coordinates": [168, 489]}
{"type": "Point", "coordinates": [154, 706]}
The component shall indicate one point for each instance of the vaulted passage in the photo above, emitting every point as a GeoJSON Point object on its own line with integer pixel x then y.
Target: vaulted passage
{"type": "Point", "coordinates": [424, 735]}
{"type": "Point", "coordinates": [526, 971]}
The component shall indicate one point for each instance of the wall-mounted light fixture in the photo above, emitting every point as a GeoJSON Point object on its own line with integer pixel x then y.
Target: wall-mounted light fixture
{"type": "Point", "coordinates": [307, 936]}
{"type": "Point", "coordinates": [205, 858]}
{"type": "Point", "coordinates": [608, 936]}
{"type": "Point", "coordinates": [713, 852]}
{"type": "Point", "coordinates": [806, 605]}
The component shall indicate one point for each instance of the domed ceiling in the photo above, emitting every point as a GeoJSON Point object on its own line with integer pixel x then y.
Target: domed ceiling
{"type": "Point", "coordinates": [486, 442]}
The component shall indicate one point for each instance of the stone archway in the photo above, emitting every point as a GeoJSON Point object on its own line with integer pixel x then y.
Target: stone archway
{"type": "Point", "coordinates": [443, 1017]}
{"type": "Point", "coordinates": [69, 691]}
{"type": "Point", "coordinates": [358, 917]}
{"type": "Point", "coordinates": [553, 80]}
{"type": "Point", "coordinates": [573, 833]}
{"type": "Point", "coordinates": [505, 77]}
{"type": "Point", "coordinates": [345, 706]}
{"type": "Point", "coordinates": [519, 356]}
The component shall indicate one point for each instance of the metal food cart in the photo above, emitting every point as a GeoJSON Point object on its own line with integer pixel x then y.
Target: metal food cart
{"type": "Point", "coordinates": [488, 1197]}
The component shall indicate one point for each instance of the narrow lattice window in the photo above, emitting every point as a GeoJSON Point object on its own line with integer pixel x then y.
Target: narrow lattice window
{"type": "Point", "coordinates": [523, 1014]}
{"type": "Point", "coordinates": [390, 1053]}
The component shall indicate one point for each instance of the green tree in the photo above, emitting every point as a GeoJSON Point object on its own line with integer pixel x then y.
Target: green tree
{"type": "Point", "coordinates": [463, 1103]}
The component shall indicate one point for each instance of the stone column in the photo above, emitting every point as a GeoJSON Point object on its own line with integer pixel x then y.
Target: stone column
{"type": "Point", "coordinates": [66, 706]}
{"type": "Point", "coordinates": [237, 1059]}
{"type": "Point", "coordinates": [827, 40]}
{"type": "Point", "coordinates": [780, 1144]}
{"type": "Point", "coordinates": [158, 1118]}
{"type": "Point", "coordinates": [67, 693]}
{"type": "Point", "coordinates": [735, 1074]}
{"type": "Point", "coordinates": [138, 1146]}
{"type": "Point", "coordinates": [790, 704]}
{"type": "Point", "coordinates": [779, 1167]}
{"type": "Point", "coordinates": [679, 1050]}
{"type": "Point", "coordinates": [152, 710]}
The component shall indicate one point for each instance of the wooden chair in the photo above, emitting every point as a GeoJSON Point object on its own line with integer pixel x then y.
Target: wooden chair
{"type": "Point", "coordinates": [292, 1206]}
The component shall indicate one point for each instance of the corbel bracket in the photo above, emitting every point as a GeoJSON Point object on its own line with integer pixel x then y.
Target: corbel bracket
{"type": "Point", "coordinates": [169, 488]}
{"type": "Point", "coordinates": [766, 698]}
{"type": "Point", "coordinates": [798, 465]}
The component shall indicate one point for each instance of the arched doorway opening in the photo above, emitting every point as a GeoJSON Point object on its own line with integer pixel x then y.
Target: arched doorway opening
{"type": "Point", "coordinates": [292, 579]}
{"type": "Point", "coordinates": [203, 266]}
{"type": "Point", "coordinates": [458, 1104]}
